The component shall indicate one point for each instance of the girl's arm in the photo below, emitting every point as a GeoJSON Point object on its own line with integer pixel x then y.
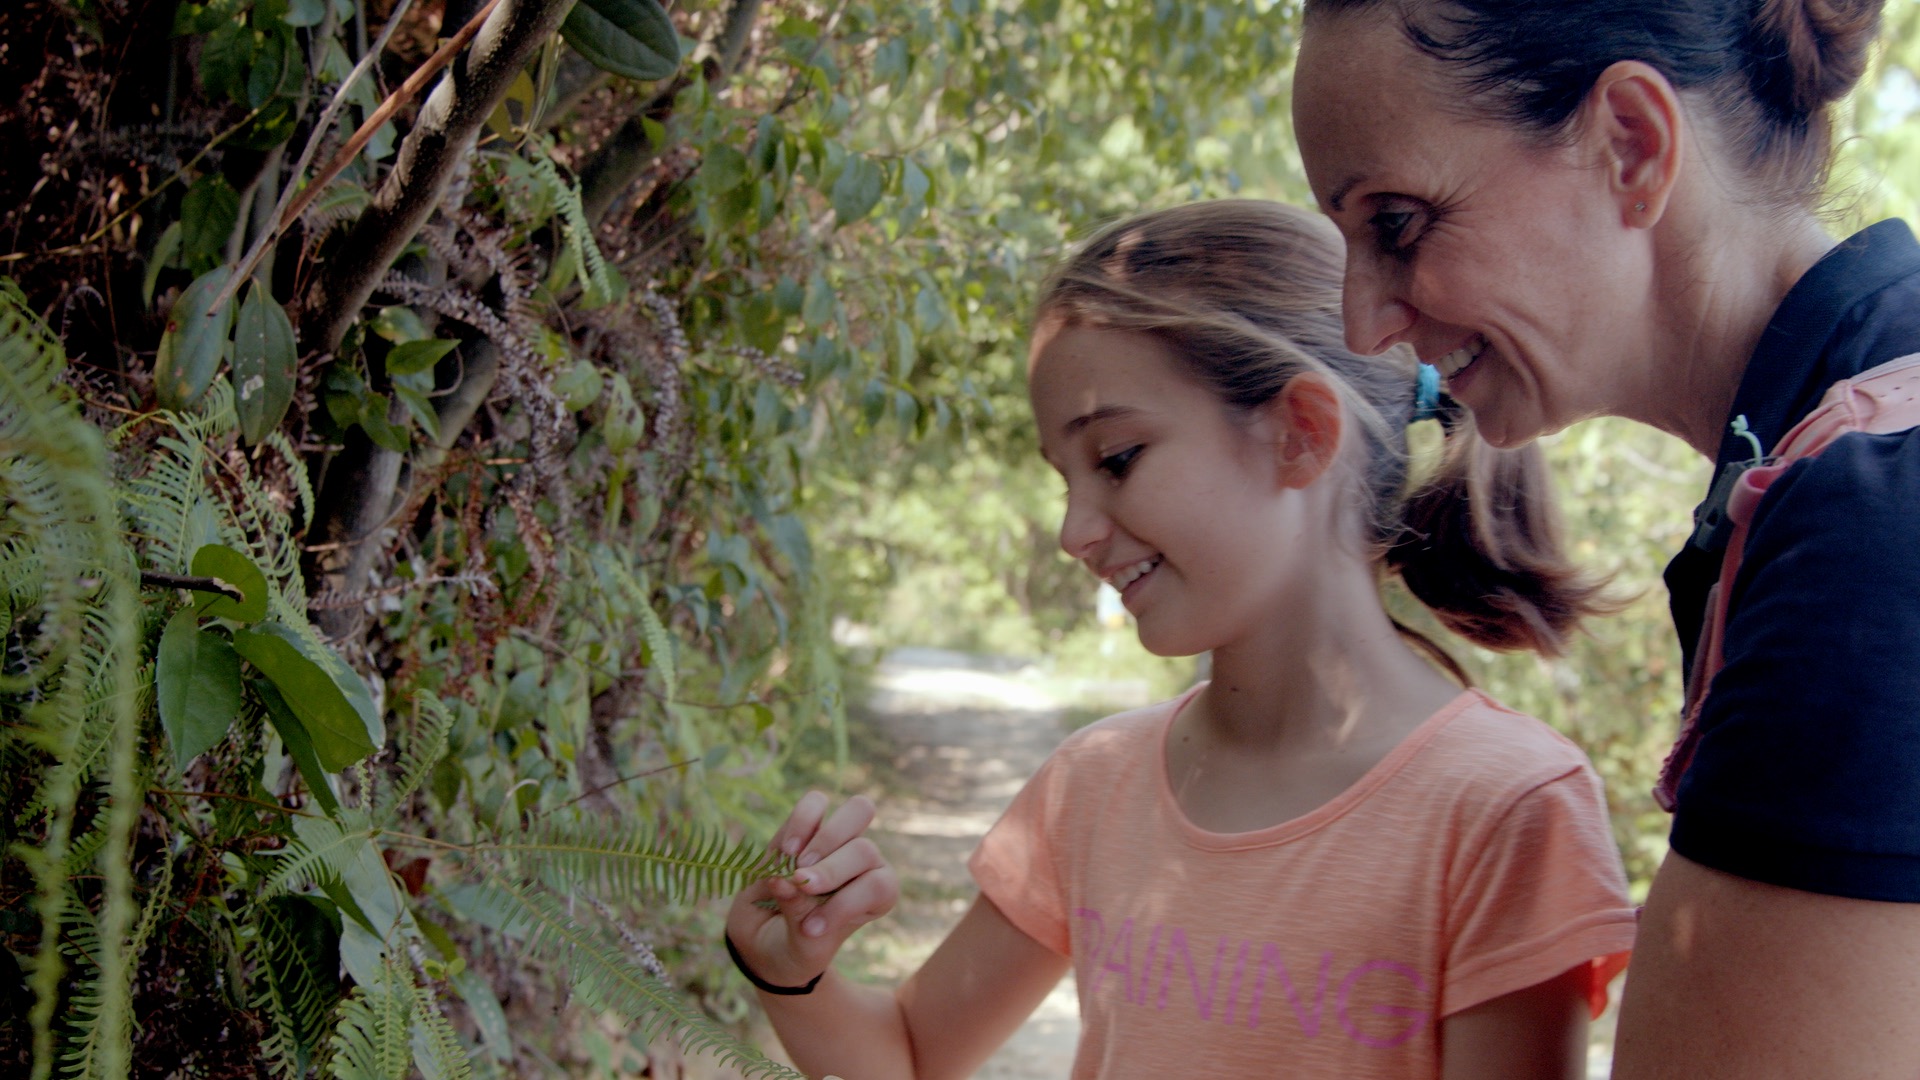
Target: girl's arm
{"type": "Point", "coordinates": [977, 987]}
{"type": "Point", "coordinates": [1539, 1033]}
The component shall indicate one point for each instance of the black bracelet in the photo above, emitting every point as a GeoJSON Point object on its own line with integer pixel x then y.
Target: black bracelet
{"type": "Point", "coordinates": [762, 984]}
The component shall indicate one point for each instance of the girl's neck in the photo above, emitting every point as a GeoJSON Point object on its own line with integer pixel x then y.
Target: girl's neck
{"type": "Point", "coordinates": [1329, 671]}
{"type": "Point", "coordinates": [1723, 281]}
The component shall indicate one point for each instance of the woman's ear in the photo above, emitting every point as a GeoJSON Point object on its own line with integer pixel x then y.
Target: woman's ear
{"type": "Point", "coordinates": [1308, 420]}
{"type": "Point", "coordinates": [1634, 114]}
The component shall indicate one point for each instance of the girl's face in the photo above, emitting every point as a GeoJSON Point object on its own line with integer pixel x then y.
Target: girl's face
{"type": "Point", "coordinates": [1173, 497]}
{"type": "Point", "coordinates": [1506, 263]}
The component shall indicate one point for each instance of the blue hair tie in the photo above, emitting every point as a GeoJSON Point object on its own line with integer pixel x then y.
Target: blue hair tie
{"type": "Point", "coordinates": [1426, 394]}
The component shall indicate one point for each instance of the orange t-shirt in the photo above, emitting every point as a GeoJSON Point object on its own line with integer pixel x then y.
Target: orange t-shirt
{"type": "Point", "coordinates": [1474, 860]}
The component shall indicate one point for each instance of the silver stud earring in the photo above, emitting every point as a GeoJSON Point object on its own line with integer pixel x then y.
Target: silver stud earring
{"type": "Point", "coordinates": [1639, 208]}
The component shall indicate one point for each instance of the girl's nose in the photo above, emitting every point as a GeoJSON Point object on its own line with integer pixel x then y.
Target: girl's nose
{"type": "Point", "coordinates": [1376, 320]}
{"type": "Point", "coordinates": [1084, 527]}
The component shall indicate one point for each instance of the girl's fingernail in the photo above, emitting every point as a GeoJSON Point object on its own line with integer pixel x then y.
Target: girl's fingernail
{"type": "Point", "coordinates": [791, 847]}
{"type": "Point", "coordinates": [814, 927]}
{"type": "Point", "coordinates": [809, 858]}
{"type": "Point", "coordinates": [803, 879]}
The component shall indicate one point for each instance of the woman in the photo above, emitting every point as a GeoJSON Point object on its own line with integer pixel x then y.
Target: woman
{"type": "Point", "coordinates": [1596, 208]}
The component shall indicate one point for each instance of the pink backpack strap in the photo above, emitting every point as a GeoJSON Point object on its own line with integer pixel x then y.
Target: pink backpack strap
{"type": "Point", "coordinates": [1879, 401]}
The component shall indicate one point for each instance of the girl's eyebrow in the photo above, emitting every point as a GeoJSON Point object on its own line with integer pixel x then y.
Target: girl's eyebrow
{"type": "Point", "coordinates": [1104, 412]}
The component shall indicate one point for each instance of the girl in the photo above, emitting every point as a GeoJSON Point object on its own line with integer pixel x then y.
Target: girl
{"type": "Point", "coordinates": [1588, 207]}
{"type": "Point", "coordinates": [1328, 861]}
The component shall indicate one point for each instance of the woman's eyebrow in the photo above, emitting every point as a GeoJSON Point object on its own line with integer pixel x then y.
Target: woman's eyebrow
{"type": "Point", "coordinates": [1340, 192]}
{"type": "Point", "coordinates": [1104, 412]}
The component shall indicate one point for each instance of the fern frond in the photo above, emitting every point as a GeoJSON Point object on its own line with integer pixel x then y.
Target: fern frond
{"type": "Point", "coordinates": [594, 279]}
{"type": "Point", "coordinates": [296, 988]}
{"type": "Point", "coordinates": [607, 979]}
{"type": "Point", "coordinates": [692, 864]}
{"type": "Point", "coordinates": [322, 848]}
{"type": "Point", "coordinates": [53, 482]}
{"type": "Point", "coordinates": [372, 1040]}
{"type": "Point", "coordinates": [278, 442]}
{"type": "Point", "coordinates": [445, 1057]}
{"type": "Point", "coordinates": [424, 750]}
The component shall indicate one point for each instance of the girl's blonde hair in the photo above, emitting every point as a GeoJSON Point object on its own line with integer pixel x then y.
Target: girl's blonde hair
{"type": "Point", "coordinates": [1247, 294]}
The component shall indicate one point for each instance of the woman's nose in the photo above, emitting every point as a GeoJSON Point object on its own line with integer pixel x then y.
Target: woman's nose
{"type": "Point", "coordinates": [1084, 527]}
{"type": "Point", "coordinates": [1376, 319]}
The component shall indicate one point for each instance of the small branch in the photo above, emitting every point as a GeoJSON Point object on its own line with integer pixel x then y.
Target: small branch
{"type": "Point", "coordinates": [198, 584]}
{"type": "Point", "coordinates": [261, 803]}
{"type": "Point", "coordinates": [282, 214]}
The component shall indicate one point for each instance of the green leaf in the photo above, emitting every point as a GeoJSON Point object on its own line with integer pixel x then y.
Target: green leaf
{"type": "Point", "coordinates": [165, 251]}
{"type": "Point", "coordinates": [820, 305]}
{"type": "Point", "coordinates": [194, 343]}
{"type": "Point", "coordinates": [420, 408]}
{"type": "Point", "coordinates": [224, 60]}
{"type": "Point", "coordinates": [293, 734]}
{"type": "Point", "coordinates": [633, 38]}
{"type": "Point", "coordinates": [858, 190]}
{"type": "Point", "coordinates": [219, 561]}
{"type": "Point", "coordinates": [325, 694]}
{"type": "Point", "coordinates": [384, 432]}
{"type": "Point", "coordinates": [578, 386]}
{"type": "Point", "coordinates": [208, 213]}
{"type": "Point", "coordinates": [413, 357]}
{"type": "Point", "coordinates": [198, 686]}
{"type": "Point", "coordinates": [305, 12]}
{"type": "Point", "coordinates": [265, 363]}
{"type": "Point", "coordinates": [723, 169]}
{"type": "Point", "coordinates": [400, 324]}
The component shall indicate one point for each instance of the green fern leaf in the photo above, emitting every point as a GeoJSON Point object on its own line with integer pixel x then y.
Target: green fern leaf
{"type": "Point", "coordinates": [607, 978]}
{"type": "Point", "coordinates": [691, 864]}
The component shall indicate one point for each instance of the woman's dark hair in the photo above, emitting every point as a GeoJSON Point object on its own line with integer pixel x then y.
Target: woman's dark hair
{"type": "Point", "coordinates": [1766, 69]}
{"type": "Point", "coordinates": [1247, 294]}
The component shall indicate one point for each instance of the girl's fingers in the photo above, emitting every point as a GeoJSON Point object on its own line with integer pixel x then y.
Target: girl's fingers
{"type": "Point", "coordinates": [798, 831]}
{"type": "Point", "coordinates": [849, 821]}
{"type": "Point", "coordinates": [839, 867]}
{"type": "Point", "coordinates": [863, 900]}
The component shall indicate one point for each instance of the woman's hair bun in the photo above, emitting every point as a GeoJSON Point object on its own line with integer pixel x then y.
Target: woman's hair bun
{"type": "Point", "coordinates": [1808, 54]}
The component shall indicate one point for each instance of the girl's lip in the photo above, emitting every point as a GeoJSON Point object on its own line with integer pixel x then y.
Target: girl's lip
{"type": "Point", "coordinates": [1132, 592]}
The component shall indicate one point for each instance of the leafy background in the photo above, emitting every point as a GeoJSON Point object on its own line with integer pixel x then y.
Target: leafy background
{"type": "Point", "coordinates": [440, 439]}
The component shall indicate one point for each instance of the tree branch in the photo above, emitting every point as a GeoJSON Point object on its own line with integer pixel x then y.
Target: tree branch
{"type": "Point", "coordinates": [437, 147]}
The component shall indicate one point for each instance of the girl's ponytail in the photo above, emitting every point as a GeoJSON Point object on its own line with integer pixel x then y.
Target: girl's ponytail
{"type": "Point", "coordinates": [1480, 544]}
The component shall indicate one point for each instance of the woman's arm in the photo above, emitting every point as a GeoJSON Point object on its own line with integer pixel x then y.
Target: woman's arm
{"type": "Point", "coordinates": [1539, 1033]}
{"type": "Point", "coordinates": [982, 981]}
{"type": "Point", "coordinates": [1738, 979]}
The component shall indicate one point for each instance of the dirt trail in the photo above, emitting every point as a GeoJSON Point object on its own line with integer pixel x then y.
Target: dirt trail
{"type": "Point", "coordinates": [952, 741]}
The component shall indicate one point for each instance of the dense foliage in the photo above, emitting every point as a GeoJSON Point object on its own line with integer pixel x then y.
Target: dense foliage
{"type": "Point", "coordinates": [437, 437]}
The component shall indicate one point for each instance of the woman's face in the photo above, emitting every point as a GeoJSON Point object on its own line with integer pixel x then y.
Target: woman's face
{"type": "Point", "coordinates": [1505, 262]}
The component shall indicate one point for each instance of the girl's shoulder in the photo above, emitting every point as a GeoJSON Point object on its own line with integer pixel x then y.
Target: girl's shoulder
{"type": "Point", "coordinates": [1482, 751]}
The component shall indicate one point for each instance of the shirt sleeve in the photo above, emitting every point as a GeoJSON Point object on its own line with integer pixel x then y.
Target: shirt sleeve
{"type": "Point", "coordinates": [1015, 864]}
{"type": "Point", "coordinates": [1543, 893]}
{"type": "Point", "coordinates": [1807, 773]}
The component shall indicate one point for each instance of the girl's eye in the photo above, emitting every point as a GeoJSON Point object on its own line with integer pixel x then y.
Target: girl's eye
{"type": "Point", "coordinates": [1392, 229]}
{"type": "Point", "coordinates": [1116, 465]}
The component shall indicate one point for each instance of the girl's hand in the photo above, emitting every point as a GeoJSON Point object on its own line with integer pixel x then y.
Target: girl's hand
{"type": "Point", "coordinates": [841, 884]}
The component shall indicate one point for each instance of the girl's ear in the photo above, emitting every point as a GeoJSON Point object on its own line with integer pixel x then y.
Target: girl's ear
{"type": "Point", "coordinates": [1308, 419]}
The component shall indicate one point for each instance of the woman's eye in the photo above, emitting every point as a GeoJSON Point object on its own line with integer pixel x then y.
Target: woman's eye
{"type": "Point", "coordinates": [1391, 228]}
{"type": "Point", "coordinates": [1116, 465]}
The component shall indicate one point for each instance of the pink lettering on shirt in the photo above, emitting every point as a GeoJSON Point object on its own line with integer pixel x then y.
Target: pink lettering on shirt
{"type": "Point", "coordinates": [1377, 1003]}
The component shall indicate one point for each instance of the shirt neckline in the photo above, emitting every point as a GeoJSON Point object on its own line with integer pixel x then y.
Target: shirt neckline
{"type": "Point", "coordinates": [1317, 818]}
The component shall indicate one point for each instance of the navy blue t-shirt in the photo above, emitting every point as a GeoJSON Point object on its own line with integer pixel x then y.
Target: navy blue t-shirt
{"type": "Point", "coordinates": [1807, 773]}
